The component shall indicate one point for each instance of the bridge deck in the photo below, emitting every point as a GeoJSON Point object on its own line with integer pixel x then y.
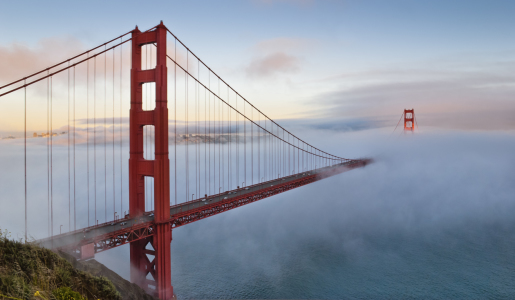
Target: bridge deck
{"type": "Point", "coordinates": [112, 234]}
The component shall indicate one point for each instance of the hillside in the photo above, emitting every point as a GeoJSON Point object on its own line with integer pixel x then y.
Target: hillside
{"type": "Point", "coordinates": [27, 270]}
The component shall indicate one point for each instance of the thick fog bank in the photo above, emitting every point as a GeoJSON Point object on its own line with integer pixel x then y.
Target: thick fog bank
{"type": "Point", "coordinates": [432, 217]}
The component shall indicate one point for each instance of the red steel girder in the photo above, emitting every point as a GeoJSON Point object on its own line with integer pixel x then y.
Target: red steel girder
{"type": "Point", "coordinates": [147, 229]}
{"type": "Point", "coordinates": [114, 239]}
{"type": "Point", "coordinates": [203, 212]}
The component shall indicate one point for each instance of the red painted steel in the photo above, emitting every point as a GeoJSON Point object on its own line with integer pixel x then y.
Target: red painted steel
{"type": "Point", "coordinates": [146, 230]}
{"type": "Point", "coordinates": [87, 251]}
{"type": "Point", "coordinates": [203, 212]}
{"type": "Point", "coordinates": [160, 267]}
{"type": "Point", "coordinates": [409, 120]}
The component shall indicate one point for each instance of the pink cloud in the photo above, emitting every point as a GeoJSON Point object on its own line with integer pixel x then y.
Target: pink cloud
{"type": "Point", "coordinates": [272, 64]}
{"type": "Point", "coordinates": [277, 56]}
{"type": "Point", "coordinates": [18, 60]}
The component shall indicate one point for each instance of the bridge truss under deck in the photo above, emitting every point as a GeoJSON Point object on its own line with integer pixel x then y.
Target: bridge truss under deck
{"type": "Point", "coordinates": [113, 234]}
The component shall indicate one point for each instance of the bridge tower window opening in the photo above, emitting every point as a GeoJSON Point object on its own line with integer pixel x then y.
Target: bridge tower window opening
{"type": "Point", "coordinates": [148, 57]}
{"type": "Point", "coordinates": [149, 96]}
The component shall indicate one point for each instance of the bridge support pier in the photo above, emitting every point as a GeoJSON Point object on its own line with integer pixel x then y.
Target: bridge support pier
{"type": "Point", "coordinates": [156, 261]}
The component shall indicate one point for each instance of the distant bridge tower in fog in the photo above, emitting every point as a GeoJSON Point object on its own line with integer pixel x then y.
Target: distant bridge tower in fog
{"type": "Point", "coordinates": [409, 120]}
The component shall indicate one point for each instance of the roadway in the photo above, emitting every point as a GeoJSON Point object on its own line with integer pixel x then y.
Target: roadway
{"type": "Point", "coordinates": [78, 237]}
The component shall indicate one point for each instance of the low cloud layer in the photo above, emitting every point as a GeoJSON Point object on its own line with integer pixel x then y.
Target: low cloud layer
{"type": "Point", "coordinates": [452, 99]}
{"type": "Point", "coordinates": [430, 218]}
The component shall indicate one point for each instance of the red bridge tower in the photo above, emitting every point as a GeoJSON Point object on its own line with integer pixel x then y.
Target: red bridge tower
{"type": "Point", "coordinates": [409, 120]}
{"type": "Point", "coordinates": [159, 267]}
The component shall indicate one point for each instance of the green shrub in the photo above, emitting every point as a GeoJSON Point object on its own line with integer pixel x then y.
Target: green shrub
{"type": "Point", "coordinates": [66, 293]}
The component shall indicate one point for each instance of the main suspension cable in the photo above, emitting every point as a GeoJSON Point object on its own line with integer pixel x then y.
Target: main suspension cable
{"type": "Point", "coordinates": [65, 61]}
{"type": "Point", "coordinates": [177, 39]}
{"type": "Point", "coordinates": [66, 68]}
{"type": "Point", "coordinates": [264, 129]}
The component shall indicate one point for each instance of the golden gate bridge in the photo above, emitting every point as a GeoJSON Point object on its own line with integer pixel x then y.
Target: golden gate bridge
{"type": "Point", "coordinates": [197, 148]}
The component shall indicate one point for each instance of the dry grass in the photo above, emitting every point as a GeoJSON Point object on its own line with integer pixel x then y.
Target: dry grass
{"type": "Point", "coordinates": [26, 268]}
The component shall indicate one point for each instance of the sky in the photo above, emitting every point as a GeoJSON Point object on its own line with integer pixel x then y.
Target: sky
{"type": "Point", "coordinates": [301, 59]}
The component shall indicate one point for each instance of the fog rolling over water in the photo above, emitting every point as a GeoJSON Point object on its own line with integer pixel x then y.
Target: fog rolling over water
{"type": "Point", "coordinates": [431, 218]}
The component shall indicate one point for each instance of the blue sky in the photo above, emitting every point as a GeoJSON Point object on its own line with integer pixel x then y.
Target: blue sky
{"type": "Point", "coordinates": [317, 59]}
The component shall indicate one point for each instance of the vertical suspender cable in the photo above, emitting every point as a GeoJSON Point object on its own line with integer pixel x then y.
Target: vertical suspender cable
{"type": "Point", "coordinates": [187, 128]}
{"type": "Point", "coordinates": [197, 162]}
{"type": "Point", "coordinates": [51, 161]}
{"type": "Point", "coordinates": [219, 139]}
{"type": "Point", "coordinates": [95, 134]}
{"type": "Point", "coordinates": [175, 120]}
{"type": "Point", "coordinates": [197, 137]}
{"type": "Point", "coordinates": [68, 135]}
{"type": "Point", "coordinates": [244, 146]}
{"type": "Point", "coordinates": [25, 153]}
{"type": "Point", "coordinates": [197, 140]}
{"type": "Point", "coordinates": [229, 135]}
{"type": "Point", "coordinates": [220, 113]}
{"type": "Point", "coordinates": [121, 158]}
{"type": "Point", "coordinates": [114, 190]}
{"type": "Point", "coordinates": [48, 150]}
{"type": "Point", "coordinates": [74, 181]}
{"type": "Point", "coordinates": [205, 142]}
{"type": "Point", "coordinates": [209, 139]}
{"type": "Point", "coordinates": [237, 144]}
{"type": "Point", "coordinates": [105, 136]}
{"type": "Point", "coordinates": [251, 124]}
{"type": "Point", "coordinates": [87, 129]}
